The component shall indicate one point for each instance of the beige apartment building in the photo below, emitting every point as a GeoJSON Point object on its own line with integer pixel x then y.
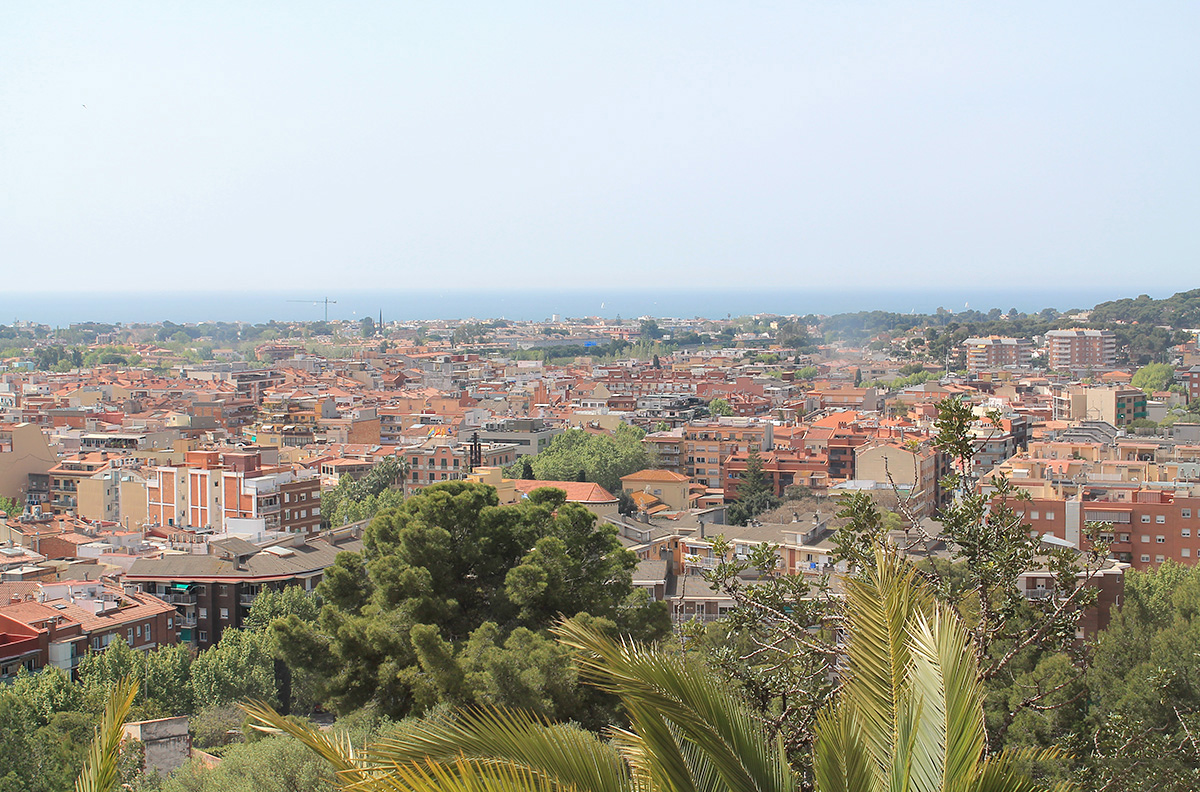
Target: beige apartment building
{"type": "Point", "coordinates": [916, 471]}
{"type": "Point", "coordinates": [23, 450]}
{"type": "Point", "coordinates": [993, 352]}
{"type": "Point", "coordinates": [1119, 405]}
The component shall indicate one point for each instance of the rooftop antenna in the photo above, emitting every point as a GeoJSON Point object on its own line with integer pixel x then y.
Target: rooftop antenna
{"type": "Point", "coordinates": [325, 301]}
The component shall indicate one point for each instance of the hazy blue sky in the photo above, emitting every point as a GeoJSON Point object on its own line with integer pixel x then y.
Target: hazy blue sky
{"type": "Point", "coordinates": [506, 144]}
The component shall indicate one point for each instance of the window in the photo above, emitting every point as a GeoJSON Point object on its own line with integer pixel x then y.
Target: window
{"type": "Point", "coordinates": [1145, 558]}
{"type": "Point", "coordinates": [203, 614]}
{"type": "Point", "coordinates": [224, 613]}
{"type": "Point", "coordinates": [1145, 538]}
{"type": "Point", "coordinates": [1160, 539]}
{"type": "Point", "coordinates": [201, 635]}
{"type": "Point", "coordinates": [1124, 537]}
{"type": "Point", "coordinates": [223, 589]}
{"type": "Point", "coordinates": [1185, 532]}
{"type": "Point", "coordinates": [1145, 518]}
{"type": "Point", "coordinates": [138, 631]}
{"type": "Point", "coordinates": [1160, 518]}
{"type": "Point", "coordinates": [1049, 515]}
{"type": "Point", "coordinates": [1186, 552]}
{"type": "Point", "coordinates": [129, 636]}
{"type": "Point", "coordinates": [1185, 513]}
{"type": "Point", "coordinates": [1158, 559]}
{"type": "Point", "coordinates": [201, 589]}
{"type": "Point", "coordinates": [1033, 515]}
{"type": "Point", "coordinates": [170, 622]}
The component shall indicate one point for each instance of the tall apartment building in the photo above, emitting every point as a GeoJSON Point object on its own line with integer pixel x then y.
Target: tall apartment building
{"type": "Point", "coordinates": [1081, 349]}
{"type": "Point", "coordinates": [993, 352]}
{"type": "Point", "coordinates": [214, 486]}
{"type": "Point", "coordinates": [706, 444]}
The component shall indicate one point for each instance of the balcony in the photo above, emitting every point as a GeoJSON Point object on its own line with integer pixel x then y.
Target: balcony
{"type": "Point", "coordinates": [247, 599]}
{"type": "Point", "coordinates": [180, 597]}
{"type": "Point", "coordinates": [703, 618]}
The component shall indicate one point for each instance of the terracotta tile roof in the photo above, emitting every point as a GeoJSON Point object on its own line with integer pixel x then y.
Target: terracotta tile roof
{"type": "Point", "coordinates": [577, 491]}
{"type": "Point", "coordinates": [654, 475]}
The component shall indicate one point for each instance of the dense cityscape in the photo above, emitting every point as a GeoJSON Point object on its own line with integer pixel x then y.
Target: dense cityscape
{"type": "Point", "coordinates": [599, 397]}
{"type": "Point", "coordinates": [309, 514]}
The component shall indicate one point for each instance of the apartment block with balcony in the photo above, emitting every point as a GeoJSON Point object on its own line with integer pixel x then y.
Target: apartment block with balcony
{"type": "Point", "coordinates": [447, 459]}
{"type": "Point", "coordinates": [212, 487]}
{"type": "Point", "coordinates": [213, 592]}
{"type": "Point", "coordinates": [1119, 405]}
{"type": "Point", "coordinates": [529, 435]}
{"type": "Point", "coordinates": [706, 444]}
{"type": "Point", "coordinates": [666, 448]}
{"type": "Point", "coordinates": [995, 352]}
{"type": "Point", "coordinates": [1078, 348]}
{"type": "Point", "coordinates": [1144, 529]}
{"type": "Point", "coordinates": [68, 619]}
{"type": "Point", "coordinates": [23, 453]}
{"type": "Point", "coordinates": [66, 476]}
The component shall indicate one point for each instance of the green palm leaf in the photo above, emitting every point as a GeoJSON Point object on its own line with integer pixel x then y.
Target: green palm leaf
{"type": "Point", "coordinates": [945, 681]}
{"type": "Point", "coordinates": [101, 772]}
{"type": "Point", "coordinates": [459, 776]}
{"type": "Point", "coordinates": [842, 762]}
{"type": "Point", "coordinates": [879, 608]}
{"type": "Point", "coordinates": [334, 748]}
{"type": "Point", "coordinates": [657, 688]}
{"type": "Point", "coordinates": [1002, 772]}
{"type": "Point", "coordinates": [564, 756]}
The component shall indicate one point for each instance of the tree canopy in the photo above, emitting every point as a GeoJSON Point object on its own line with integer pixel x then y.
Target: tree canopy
{"type": "Point", "coordinates": [578, 455]}
{"type": "Point", "coordinates": [451, 585]}
{"type": "Point", "coordinates": [1153, 377]}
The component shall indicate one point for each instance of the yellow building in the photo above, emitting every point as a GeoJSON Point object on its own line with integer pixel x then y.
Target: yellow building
{"type": "Point", "coordinates": [673, 489]}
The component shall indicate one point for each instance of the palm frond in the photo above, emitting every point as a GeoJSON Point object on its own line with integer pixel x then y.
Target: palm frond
{"type": "Point", "coordinates": [945, 679]}
{"type": "Point", "coordinates": [459, 776]}
{"type": "Point", "coordinates": [842, 762]}
{"type": "Point", "coordinates": [562, 755]}
{"type": "Point", "coordinates": [657, 688]}
{"type": "Point", "coordinates": [334, 747]}
{"type": "Point", "coordinates": [633, 750]}
{"type": "Point", "coordinates": [101, 771]}
{"type": "Point", "coordinates": [880, 605]}
{"type": "Point", "coordinates": [1002, 772]}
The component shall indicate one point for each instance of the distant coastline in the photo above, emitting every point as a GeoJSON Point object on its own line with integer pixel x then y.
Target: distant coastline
{"type": "Point", "coordinates": [61, 310]}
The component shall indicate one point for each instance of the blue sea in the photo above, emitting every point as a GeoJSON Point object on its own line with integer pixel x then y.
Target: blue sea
{"type": "Point", "coordinates": [61, 310]}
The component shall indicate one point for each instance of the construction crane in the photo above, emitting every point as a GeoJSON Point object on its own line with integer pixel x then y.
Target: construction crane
{"type": "Point", "coordinates": [327, 302]}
